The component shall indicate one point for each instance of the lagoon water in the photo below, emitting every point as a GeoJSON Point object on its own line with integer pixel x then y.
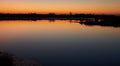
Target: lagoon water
{"type": "Point", "coordinates": [61, 43]}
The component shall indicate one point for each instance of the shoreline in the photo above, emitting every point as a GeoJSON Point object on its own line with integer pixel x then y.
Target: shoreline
{"type": "Point", "coordinates": [52, 16]}
{"type": "Point", "coordinates": [7, 59]}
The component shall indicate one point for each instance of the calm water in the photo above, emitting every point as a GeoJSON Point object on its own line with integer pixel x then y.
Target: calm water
{"type": "Point", "coordinates": [61, 42]}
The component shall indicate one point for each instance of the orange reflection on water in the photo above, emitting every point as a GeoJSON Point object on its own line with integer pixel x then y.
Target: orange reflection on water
{"type": "Point", "coordinates": [12, 30]}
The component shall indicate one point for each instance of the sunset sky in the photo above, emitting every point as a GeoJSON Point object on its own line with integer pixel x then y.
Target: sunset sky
{"type": "Point", "coordinates": [60, 6]}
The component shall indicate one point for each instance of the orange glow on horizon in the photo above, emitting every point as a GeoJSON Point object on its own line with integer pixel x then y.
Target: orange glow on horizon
{"type": "Point", "coordinates": [76, 6]}
{"type": "Point", "coordinates": [59, 11]}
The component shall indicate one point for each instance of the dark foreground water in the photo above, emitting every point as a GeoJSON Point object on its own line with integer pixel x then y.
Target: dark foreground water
{"type": "Point", "coordinates": [61, 43]}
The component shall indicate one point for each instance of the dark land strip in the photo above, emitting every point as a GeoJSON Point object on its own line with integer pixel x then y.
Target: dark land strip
{"type": "Point", "coordinates": [87, 19]}
{"type": "Point", "coordinates": [7, 59]}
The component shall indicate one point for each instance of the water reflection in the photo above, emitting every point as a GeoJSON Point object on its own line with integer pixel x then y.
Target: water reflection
{"type": "Point", "coordinates": [104, 24]}
{"type": "Point", "coordinates": [61, 42]}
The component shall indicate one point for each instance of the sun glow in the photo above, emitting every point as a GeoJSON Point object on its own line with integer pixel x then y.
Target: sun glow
{"type": "Point", "coordinates": [60, 6]}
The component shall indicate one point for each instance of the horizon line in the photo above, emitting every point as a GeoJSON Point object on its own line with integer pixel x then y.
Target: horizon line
{"type": "Point", "coordinates": [63, 13]}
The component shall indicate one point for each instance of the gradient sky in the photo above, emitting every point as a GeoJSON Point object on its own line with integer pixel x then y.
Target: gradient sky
{"type": "Point", "coordinates": [60, 6]}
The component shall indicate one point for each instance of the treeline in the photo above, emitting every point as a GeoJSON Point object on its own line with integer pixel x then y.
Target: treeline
{"type": "Point", "coordinates": [34, 16]}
